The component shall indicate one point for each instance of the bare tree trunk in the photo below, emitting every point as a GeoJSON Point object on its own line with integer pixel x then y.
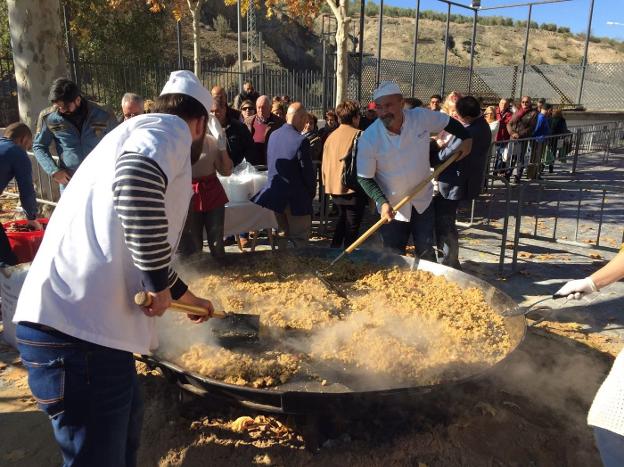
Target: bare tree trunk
{"type": "Point", "coordinates": [341, 12]}
{"type": "Point", "coordinates": [38, 53]}
{"type": "Point", "coordinates": [195, 14]}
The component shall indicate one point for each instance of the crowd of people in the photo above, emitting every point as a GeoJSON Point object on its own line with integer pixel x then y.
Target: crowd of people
{"type": "Point", "coordinates": [260, 130]}
{"type": "Point", "coordinates": [134, 192]}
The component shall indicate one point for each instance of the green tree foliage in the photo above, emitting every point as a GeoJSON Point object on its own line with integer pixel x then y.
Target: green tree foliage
{"type": "Point", "coordinates": [548, 27]}
{"type": "Point", "coordinates": [5, 37]}
{"type": "Point", "coordinates": [221, 25]}
{"type": "Point", "coordinates": [129, 33]}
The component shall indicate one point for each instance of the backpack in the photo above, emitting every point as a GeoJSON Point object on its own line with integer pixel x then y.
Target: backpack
{"type": "Point", "coordinates": [349, 166]}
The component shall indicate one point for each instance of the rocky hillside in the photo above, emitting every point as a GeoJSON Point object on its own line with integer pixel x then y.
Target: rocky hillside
{"type": "Point", "coordinates": [291, 45]}
{"type": "Point", "coordinates": [495, 45]}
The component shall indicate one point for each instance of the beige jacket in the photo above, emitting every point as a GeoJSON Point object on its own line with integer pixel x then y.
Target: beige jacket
{"type": "Point", "coordinates": [337, 145]}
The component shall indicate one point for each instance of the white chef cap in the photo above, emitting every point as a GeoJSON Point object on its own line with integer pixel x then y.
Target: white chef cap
{"type": "Point", "coordinates": [386, 88]}
{"type": "Point", "coordinates": [185, 82]}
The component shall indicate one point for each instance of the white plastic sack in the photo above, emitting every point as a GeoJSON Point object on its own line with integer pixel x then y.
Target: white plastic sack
{"type": "Point", "coordinates": [243, 183]}
{"type": "Point", "coordinates": [11, 281]}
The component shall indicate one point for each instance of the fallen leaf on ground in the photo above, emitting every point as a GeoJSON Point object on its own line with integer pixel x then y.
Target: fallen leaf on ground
{"type": "Point", "coordinates": [242, 423]}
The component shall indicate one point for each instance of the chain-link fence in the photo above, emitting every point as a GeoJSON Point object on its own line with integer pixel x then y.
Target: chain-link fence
{"type": "Point", "coordinates": [603, 88]}
{"type": "Point", "coordinates": [558, 84]}
{"type": "Point", "coordinates": [107, 81]}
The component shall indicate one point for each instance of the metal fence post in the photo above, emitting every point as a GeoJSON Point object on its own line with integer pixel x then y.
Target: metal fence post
{"type": "Point", "coordinates": [324, 78]}
{"type": "Point", "coordinates": [516, 242]}
{"type": "Point", "coordinates": [261, 64]}
{"type": "Point", "coordinates": [379, 34]}
{"type": "Point", "coordinates": [472, 49]}
{"type": "Point", "coordinates": [526, 48]}
{"type": "Point", "coordinates": [72, 56]}
{"type": "Point", "coordinates": [415, 48]}
{"type": "Point", "coordinates": [179, 41]}
{"type": "Point", "coordinates": [584, 68]}
{"type": "Point", "coordinates": [239, 46]}
{"type": "Point", "coordinates": [446, 41]}
{"type": "Point", "coordinates": [576, 150]}
{"type": "Point", "coordinates": [501, 260]}
{"type": "Point", "coordinates": [361, 52]}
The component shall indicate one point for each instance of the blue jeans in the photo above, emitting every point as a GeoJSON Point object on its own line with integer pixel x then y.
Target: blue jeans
{"type": "Point", "coordinates": [396, 234]}
{"type": "Point", "coordinates": [447, 236]}
{"type": "Point", "coordinates": [611, 447]}
{"type": "Point", "coordinates": [90, 393]}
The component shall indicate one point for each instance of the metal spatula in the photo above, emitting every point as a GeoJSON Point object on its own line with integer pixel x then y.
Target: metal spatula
{"type": "Point", "coordinates": [520, 310]}
{"type": "Point", "coordinates": [234, 327]}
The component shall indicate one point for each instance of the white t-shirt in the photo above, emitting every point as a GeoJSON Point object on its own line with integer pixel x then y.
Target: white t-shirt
{"type": "Point", "coordinates": [399, 162]}
{"type": "Point", "coordinates": [83, 280]}
{"type": "Point", "coordinates": [607, 410]}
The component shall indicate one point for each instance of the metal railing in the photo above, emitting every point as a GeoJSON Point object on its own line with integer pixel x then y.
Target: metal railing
{"type": "Point", "coordinates": [106, 82]}
{"type": "Point", "coordinates": [541, 205]}
{"type": "Point", "coordinates": [575, 209]}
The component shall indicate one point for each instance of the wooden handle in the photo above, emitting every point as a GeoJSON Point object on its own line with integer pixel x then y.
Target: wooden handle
{"type": "Point", "coordinates": [402, 202]}
{"type": "Point", "coordinates": [145, 299]}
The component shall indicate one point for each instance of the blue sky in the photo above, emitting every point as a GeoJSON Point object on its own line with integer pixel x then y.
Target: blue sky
{"type": "Point", "coordinates": [572, 14]}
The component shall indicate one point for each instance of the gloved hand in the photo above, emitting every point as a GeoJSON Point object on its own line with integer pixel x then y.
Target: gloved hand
{"type": "Point", "coordinates": [577, 288]}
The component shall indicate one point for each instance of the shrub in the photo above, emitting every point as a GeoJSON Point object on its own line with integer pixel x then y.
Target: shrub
{"type": "Point", "coordinates": [221, 25]}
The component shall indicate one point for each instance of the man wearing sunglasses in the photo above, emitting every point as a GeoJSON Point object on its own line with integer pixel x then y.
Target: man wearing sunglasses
{"type": "Point", "coordinates": [75, 126]}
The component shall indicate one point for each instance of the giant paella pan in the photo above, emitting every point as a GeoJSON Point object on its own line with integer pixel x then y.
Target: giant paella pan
{"type": "Point", "coordinates": [397, 327]}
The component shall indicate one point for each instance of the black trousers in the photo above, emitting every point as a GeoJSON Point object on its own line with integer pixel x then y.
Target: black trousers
{"type": "Point", "coordinates": [447, 237]}
{"type": "Point", "coordinates": [7, 257]}
{"type": "Point", "coordinates": [192, 238]}
{"type": "Point", "coordinates": [350, 214]}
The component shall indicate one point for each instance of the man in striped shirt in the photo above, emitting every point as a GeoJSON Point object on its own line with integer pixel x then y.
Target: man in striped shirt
{"type": "Point", "coordinates": [111, 235]}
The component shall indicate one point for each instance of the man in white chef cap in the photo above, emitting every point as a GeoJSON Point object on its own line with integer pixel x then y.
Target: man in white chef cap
{"type": "Point", "coordinates": [111, 236]}
{"type": "Point", "coordinates": [393, 157]}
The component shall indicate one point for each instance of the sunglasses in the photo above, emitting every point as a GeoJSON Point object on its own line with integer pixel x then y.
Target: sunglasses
{"type": "Point", "coordinates": [246, 109]}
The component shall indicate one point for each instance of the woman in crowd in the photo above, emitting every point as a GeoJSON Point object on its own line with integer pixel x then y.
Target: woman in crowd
{"type": "Point", "coordinates": [248, 109]}
{"type": "Point", "coordinates": [207, 210]}
{"type": "Point", "coordinates": [448, 108]}
{"type": "Point", "coordinates": [350, 202]}
{"type": "Point", "coordinates": [504, 114]}
{"type": "Point", "coordinates": [490, 117]}
{"type": "Point", "coordinates": [277, 109]}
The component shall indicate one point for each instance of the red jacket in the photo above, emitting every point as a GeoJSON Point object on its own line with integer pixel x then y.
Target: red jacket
{"type": "Point", "coordinates": [504, 118]}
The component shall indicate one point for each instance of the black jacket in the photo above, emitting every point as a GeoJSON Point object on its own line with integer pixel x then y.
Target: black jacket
{"type": "Point", "coordinates": [464, 179]}
{"type": "Point", "coordinates": [239, 142]}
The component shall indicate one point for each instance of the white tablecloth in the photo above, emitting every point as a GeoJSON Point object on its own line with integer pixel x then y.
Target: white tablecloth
{"type": "Point", "coordinates": [247, 216]}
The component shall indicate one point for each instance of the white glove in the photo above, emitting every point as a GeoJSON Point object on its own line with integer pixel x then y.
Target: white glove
{"type": "Point", "coordinates": [574, 290]}
{"type": "Point", "coordinates": [216, 130]}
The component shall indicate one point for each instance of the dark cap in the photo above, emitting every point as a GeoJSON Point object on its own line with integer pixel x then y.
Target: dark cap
{"type": "Point", "coordinates": [64, 90]}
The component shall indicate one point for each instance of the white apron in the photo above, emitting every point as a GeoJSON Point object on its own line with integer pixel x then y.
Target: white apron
{"type": "Point", "coordinates": [82, 281]}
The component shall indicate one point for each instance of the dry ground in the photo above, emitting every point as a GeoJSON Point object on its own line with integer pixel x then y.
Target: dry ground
{"type": "Point", "coordinates": [529, 412]}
